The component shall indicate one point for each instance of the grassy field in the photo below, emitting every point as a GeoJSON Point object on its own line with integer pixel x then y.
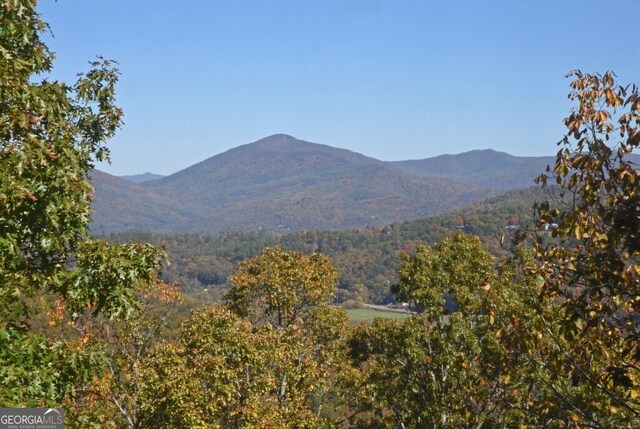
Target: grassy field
{"type": "Point", "coordinates": [359, 315]}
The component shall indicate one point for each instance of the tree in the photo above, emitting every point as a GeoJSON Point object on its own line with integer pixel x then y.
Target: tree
{"type": "Point", "coordinates": [593, 268]}
{"type": "Point", "coordinates": [279, 287]}
{"type": "Point", "coordinates": [292, 293]}
{"type": "Point", "coordinates": [273, 358]}
{"type": "Point", "coordinates": [454, 270]}
{"type": "Point", "coordinates": [215, 375]}
{"type": "Point", "coordinates": [224, 372]}
{"type": "Point", "coordinates": [50, 136]}
{"type": "Point", "coordinates": [114, 397]}
{"type": "Point", "coordinates": [439, 368]}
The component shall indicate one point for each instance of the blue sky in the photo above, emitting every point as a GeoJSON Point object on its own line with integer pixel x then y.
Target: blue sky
{"type": "Point", "coordinates": [390, 79]}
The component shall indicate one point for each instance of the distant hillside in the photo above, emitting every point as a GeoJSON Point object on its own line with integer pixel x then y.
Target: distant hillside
{"type": "Point", "coordinates": [144, 177]}
{"type": "Point", "coordinates": [485, 168]}
{"type": "Point", "coordinates": [369, 256]}
{"type": "Point", "coordinates": [281, 184]}
{"type": "Point", "coordinates": [121, 206]}
{"type": "Point", "coordinates": [278, 164]}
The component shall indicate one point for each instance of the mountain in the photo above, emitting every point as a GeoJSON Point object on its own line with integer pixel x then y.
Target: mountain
{"type": "Point", "coordinates": [485, 168]}
{"type": "Point", "coordinates": [121, 206]}
{"type": "Point", "coordinates": [277, 184]}
{"type": "Point", "coordinates": [144, 177]}
{"type": "Point", "coordinates": [278, 164]}
{"type": "Point", "coordinates": [281, 184]}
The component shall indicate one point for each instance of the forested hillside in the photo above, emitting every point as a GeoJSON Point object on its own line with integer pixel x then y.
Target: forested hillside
{"type": "Point", "coordinates": [280, 184]}
{"type": "Point", "coordinates": [486, 168]}
{"type": "Point", "coordinates": [131, 207]}
{"type": "Point", "coordinates": [366, 257]}
{"type": "Point", "coordinates": [144, 177]}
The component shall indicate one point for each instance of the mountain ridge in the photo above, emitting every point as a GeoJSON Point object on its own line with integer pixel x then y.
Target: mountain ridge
{"type": "Point", "coordinates": [280, 184]}
{"type": "Point", "coordinates": [143, 177]}
{"type": "Point", "coordinates": [485, 167]}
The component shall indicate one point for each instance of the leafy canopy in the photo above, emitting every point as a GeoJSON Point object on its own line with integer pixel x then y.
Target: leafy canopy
{"type": "Point", "coordinates": [51, 133]}
{"type": "Point", "coordinates": [592, 267]}
{"type": "Point", "coordinates": [279, 287]}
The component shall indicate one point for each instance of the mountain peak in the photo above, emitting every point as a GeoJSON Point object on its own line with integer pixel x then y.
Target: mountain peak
{"type": "Point", "coordinates": [278, 141]}
{"type": "Point", "coordinates": [278, 137]}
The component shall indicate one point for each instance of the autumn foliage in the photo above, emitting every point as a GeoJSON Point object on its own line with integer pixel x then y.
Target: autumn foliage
{"type": "Point", "coordinates": [546, 336]}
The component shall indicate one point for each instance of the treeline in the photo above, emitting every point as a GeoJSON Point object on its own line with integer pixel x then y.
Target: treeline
{"type": "Point", "coordinates": [367, 257]}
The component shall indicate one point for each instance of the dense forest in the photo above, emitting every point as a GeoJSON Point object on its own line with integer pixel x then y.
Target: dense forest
{"type": "Point", "coordinates": [541, 332]}
{"type": "Point", "coordinates": [366, 257]}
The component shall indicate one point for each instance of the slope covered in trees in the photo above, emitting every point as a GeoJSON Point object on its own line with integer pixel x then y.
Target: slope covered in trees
{"type": "Point", "coordinates": [486, 168]}
{"type": "Point", "coordinates": [144, 177]}
{"type": "Point", "coordinates": [131, 207]}
{"type": "Point", "coordinates": [280, 184]}
{"type": "Point", "coordinates": [366, 257]}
